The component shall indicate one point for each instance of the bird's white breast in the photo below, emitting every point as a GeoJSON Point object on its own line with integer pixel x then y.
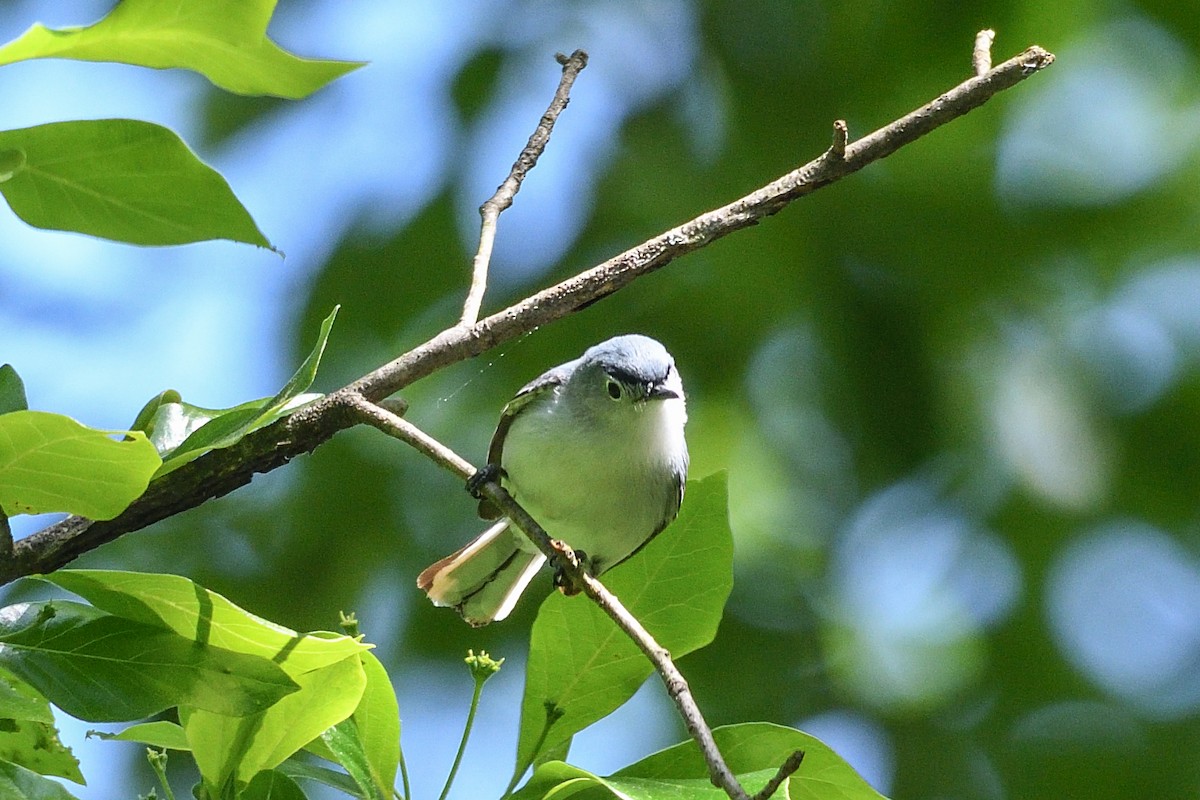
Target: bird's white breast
{"type": "Point", "coordinates": [602, 487]}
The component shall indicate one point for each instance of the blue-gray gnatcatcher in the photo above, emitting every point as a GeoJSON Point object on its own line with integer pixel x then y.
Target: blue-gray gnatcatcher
{"type": "Point", "coordinates": [593, 449]}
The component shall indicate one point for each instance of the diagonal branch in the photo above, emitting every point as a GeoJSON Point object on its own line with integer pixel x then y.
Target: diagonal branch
{"type": "Point", "coordinates": [503, 198]}
{"type": "Point", "coordinates": [563, 559]}
{"type": "Point", "coordinates": [222, 471]}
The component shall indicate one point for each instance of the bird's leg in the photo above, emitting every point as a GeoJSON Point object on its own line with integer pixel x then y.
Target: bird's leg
{"type": "Point", "coordinates": [576, 558]}
{"type": "Point", "coordinates": [486, 474]}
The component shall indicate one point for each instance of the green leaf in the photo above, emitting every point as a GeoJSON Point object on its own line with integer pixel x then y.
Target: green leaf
{"type": "Point", "coordinates": [377, 721]}
{"type": "Point", "coordinates": [18, 783]}
{"type": "Point", "coordinates": [583, 667]}
{"type": "Point", "coordinates": [122, 179]}
{"type": "Point", "coordinates": [224, 40]}
{"type": "Point", "coordinates": [272, 785]}
{"type": "Point", "coordinates": [183, 432]}
{"type": "Point", "coordinates": [558, 780]}
{"type": "Point", "coordinates": [145, 418]}
{"type": "Point", "coordinates": [760, 747]}
{"type": "Point", "coordinates": [36, 746]}
{"type": "Point", "coordinates": [161, 734]}
{"type": "Point", "coordinates": [49, 462]}
{"type": "Point", "coordinates": [344, 741]}
{"type": "Point", "coordinates": [65, 650]}
{"type": "Point", "coordinates": [195, 613]}
{"type": "Point", "coordinates": [12, 390]}
{"type": "Point", "coordinates": [28, 735]}
{"type": "Point", "coordinates": [225, 747]}
{"type": "Point", "coordinates": [19, 700]}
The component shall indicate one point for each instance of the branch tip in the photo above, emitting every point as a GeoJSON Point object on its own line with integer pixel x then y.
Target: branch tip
{"type": "Point", "coordinates": [981, 56]}
{"type": "Point", "coordinates": [841, 134]}
{"type": "Point", "coordinates": [503, 198]}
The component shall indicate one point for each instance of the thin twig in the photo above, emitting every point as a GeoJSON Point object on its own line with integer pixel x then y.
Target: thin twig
{"type": "Point", "coordinates": [981, 56]}
{"type": "Point", "coordinates": [221, 471]}
{"type": "Point", "coordinates": [563, 559]}
{"type": "Point", "coordinates": [786, 769]}
{"type": "Point", "coordinates": [491, 209]}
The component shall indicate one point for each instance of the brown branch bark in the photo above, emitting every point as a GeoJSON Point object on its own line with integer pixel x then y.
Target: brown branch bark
{"type": "Point", "coordinates": [222, 471]}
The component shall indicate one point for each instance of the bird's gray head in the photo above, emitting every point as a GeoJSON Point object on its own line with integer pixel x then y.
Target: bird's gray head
{"type": "Point", "coordinates": [627, 370]}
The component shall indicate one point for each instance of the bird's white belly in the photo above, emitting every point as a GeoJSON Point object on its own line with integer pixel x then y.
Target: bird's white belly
{"type": "Point", "coordinates": [602, 494]}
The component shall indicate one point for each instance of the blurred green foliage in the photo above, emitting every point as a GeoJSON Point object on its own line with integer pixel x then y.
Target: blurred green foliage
{"type": "Point", "coordinates": [956, 394]}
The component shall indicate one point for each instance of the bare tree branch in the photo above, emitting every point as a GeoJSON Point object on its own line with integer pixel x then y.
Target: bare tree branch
{"type": "Point", "coordinates": [503, 198]}
{"type": "Point", "coordinates": [221, 471]}
{"type": "Point", "coordinates": [981, 57]}
{"type": "Point", "coordinates": [563, 559]}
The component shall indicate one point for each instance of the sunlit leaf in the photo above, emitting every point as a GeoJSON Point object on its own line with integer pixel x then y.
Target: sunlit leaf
{"type": "Point", "coordinates": [193, 612]}
{"type": "Point", "coordinates": [377, 723]}
{"type": "Point", "coordinates": [122, 179]}
{"type": "Point", "coordinates": [225, 746]}
{"type": "Point", "coordinates": [49, 462]}
{"type": "Point", "coordinates": [582, 666]}
{"type": "Point", "coordinates": [224, 40]}
{"type": "Point", "coordinates": [12, 390]}
{"type": "Point", "coordinates": [65, 650]}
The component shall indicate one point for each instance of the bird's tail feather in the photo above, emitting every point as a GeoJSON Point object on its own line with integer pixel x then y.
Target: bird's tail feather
{"type": "Point", "coordinates": [484, 579]}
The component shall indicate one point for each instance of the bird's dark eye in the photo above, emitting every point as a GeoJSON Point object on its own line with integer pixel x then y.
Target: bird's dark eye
{"type": "Point", "coordinates": [614, 389]}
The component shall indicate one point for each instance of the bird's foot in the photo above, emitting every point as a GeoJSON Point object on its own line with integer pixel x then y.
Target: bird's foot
{"type": "Point", "coordinates": [487, 474]}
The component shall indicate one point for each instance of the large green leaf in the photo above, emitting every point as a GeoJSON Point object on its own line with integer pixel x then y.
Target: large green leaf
{"type": "Point", "coordinates": [12, 390]}
{"type": "Point", "coordinates": [49, 462]}
{"type": "Point", "coordinates": [224, 40]}
{"type": "Point", "coordinates": [227, 748]}
{"type": "Point", "coordinates": [823, 775]}
{"type": "Point", "coordinates": [28, 735]}
{"type": "Point", "coordinates": [193, 612]}
{"type": "Point", "coordinates": [121, 179]}
{"type": "Point", "coordinates": [18, 783]}
{"type": "Point", "coordinates": [560, 781]}
{"type": "Point", "coordinates": [65, 650]}
{"type": "Point", "coordinates": [583, 667]}
{"type": "Point", "coordinates": [183, 432]}
{"type": "Point", "coordinates": [753, 752]}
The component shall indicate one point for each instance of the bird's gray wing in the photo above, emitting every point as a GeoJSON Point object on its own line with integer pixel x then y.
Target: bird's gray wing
{"type": "Point", "coordinates": [547, 382]}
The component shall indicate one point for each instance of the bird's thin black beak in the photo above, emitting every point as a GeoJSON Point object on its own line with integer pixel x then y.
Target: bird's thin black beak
{"type": "Point", "coordinates": [660, 391]}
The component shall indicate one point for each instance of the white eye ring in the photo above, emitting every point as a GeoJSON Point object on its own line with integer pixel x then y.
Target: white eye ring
{"type": "Point", "coordinates": [614, 389]}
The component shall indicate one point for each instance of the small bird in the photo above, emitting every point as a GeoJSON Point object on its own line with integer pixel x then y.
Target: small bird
{"type": "Point", "coordinates": [594, 450]}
